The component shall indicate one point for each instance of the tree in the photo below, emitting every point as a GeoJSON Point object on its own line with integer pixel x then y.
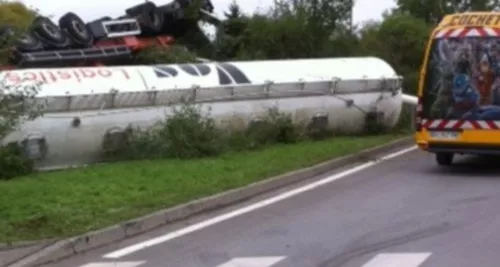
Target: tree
{"type": "Point", "coordinates": [17, 105]}
{"type": "Point", "coordinates": [290, 29]}
{"type": "Point", "coordinates": [324, 18]}
{"type": "Point", "coordinates": [401, 41]}
{"type": "Point", "coordinates": [234, 11]}
{"type": "Point", "coordinates": [16, 14]}
{"type": "Point", "coordinates": [15, 18]}
{"type": "Point", "coordinates": [229, 33]}
{"type": "Point", "coordinates": [432, 11]}
{"type": "Point", "coordinates": [473, 5]}
{"type": "Point", "coordinates": [13, 98]}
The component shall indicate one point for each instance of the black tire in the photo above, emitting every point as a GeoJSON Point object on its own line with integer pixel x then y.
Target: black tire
{"type": "Point", "coordinates": [444, 158]}
{"type": "Point", "coordinates": [28, 42]}
{"type": "Point", "coordinates": [49, 33]}
{"type": "Point", "coordinates": [150, 17]}
{"type": "Point", "coordinates": [77, 29]}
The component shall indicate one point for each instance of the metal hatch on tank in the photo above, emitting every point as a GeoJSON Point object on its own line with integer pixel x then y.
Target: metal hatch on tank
{"type": "Point", "coordinates": [341, 92]}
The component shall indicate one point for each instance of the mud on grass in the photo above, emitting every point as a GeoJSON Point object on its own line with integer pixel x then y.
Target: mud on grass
{"type": "Point", "coordinates": [72, 202]}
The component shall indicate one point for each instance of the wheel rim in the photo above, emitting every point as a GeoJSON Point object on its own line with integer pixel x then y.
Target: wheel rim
{"type": "Point", "coordinates": [50, 29]}
{"type": "Point", "coordinates": [79, 28]}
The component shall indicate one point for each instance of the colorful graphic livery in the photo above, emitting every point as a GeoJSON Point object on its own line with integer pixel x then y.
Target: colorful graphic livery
{"type": "Point", "coordinates": [459, 89]}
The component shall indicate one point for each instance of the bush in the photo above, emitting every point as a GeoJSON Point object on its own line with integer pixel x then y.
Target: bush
{"type": "Point", "coordinates": [275, 127]}
{"type": "Point", "coordinates": [187, 133]}
{"type": "Point", "coordinates": [17, 106]}
{"type": "Point", "coordinates": [174, 54]}
{"type": "Point", "coordinates": [372, 124]}
{"type": "Point", "coordinates": [184, 134]}
{"type": "Point", "coordinates": [405, 123]}
{"type": "Point", "coordinates": [13, 162]}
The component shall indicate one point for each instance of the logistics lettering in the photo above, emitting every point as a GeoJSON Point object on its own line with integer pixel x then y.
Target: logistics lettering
{"type": "Point", "coordinates": [48, 76]}
{"type": "Point", "coordinates": [474, 20]}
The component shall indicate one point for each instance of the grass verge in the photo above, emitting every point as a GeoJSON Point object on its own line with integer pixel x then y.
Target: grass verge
{"type": "Point", "coordinates": [71, 202]}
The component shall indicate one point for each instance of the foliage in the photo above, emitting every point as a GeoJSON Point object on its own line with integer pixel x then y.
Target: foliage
{"type": "Point", "coordinates": [400, 40]}
{"type": "Point", "coordinates": [17, 105]}
{"type": "Point", "coordinates": [15, 18]}
{"type": "Point", "coordinates": [16, 15]}
{"type": "Point", "coordinates": [170, 55]}
{"type": "Point", "coordinates": [13, 162]}
{"type": "Point", "coordinates": [189, 132]}
{"type": "Point", "coordinates": [273, 128]}
{"type": "Point", "coordinates": [312, 27]}
{"type": "Point", "coordinates": [406, 122]}
{"type": "Point", "coordinates": [431, 11]}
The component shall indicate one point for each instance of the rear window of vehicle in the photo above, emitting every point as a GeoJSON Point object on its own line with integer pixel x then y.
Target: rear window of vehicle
{"type": "Point", "coordinates": [463, 75]}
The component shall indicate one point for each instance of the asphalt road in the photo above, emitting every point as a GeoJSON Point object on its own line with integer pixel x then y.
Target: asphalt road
{"type": "Point", "coordinates": [406, 205]}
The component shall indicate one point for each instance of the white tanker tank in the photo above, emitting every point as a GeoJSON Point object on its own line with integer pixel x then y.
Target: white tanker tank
{"type": "Point", "coordinates": [83, 104]}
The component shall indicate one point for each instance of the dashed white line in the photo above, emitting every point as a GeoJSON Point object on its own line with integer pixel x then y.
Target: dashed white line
{"type": "Point", "coordinates": [398, 260]}
{"type": "Point", "coordinates": [114, 264]}
{"type": "Point", "coordinates": [195, 227]}
{"type": "Point", "coordinates": [252, 262]}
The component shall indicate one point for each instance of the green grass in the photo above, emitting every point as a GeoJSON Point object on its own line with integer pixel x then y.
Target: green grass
{"type": "Point", "coordinates": [71, 202]}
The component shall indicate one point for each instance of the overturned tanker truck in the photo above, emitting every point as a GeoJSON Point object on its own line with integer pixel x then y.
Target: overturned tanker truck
{"type": "Point", "coordinates": [91, 93]}
{"type": "Point", "coordinates": [89, 108]}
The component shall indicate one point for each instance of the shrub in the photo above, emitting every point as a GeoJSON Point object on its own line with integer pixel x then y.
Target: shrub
{"type": "Point", "coordinates": [13, 162]}
{"type": "Point", "coordinates": [174, 54]}
{"type": "Point", "coordinates": [187, 133]}
{"type": "Point", "coordinates": [275, 127]}
{"type": "Point", "coordinates": [373, 125]}
{"type": "Point", "coordinates": [405, 123]}
{"type": "Point", "coordinates": [17, 105]}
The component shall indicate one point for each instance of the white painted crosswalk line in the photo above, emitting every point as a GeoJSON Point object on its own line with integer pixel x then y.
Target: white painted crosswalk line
{"type": "Point", "coordinates": [398, 260]}
{"type": "Point", "coordinates": [252, 262]}
{"type": "Point", "coordinates": [115, 264]}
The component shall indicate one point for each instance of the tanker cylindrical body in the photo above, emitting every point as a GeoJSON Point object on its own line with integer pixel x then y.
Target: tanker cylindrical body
{"type": "Point", "coordinates": [82, 106]}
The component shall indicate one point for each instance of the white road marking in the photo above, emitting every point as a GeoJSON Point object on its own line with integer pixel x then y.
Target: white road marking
{"type": "Point", "coordinates": [114, 264]}
{"type": "Point", "coordinates": [252, 262]}
{"type": "Point", "coordinates": [195, 227]}
{"type": "Point", "coordinates": [398, 260]}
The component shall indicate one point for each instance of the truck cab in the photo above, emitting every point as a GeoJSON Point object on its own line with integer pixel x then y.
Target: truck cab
{"type": "Point", "coordinates": [458, 109]}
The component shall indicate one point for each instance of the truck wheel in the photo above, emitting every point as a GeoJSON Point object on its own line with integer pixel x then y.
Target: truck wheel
{"type": "Point", "coordinates": [444, 159]}
{"type": "Point", "coordinates": [49, 33]}
{"type": "Point", "coordinates": [76, 29]}
{"type": "Point", "coordinates": [150, 17]}
{"type": "Point", "coordinates": [28, 42]}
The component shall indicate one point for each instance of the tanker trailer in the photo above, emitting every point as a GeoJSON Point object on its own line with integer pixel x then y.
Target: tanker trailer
{"type": "Point", "coordinates": [85, 106]}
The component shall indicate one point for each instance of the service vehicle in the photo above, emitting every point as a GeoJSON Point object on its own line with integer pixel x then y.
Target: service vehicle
{"type": "Point", "coordinates": [458, 110]}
